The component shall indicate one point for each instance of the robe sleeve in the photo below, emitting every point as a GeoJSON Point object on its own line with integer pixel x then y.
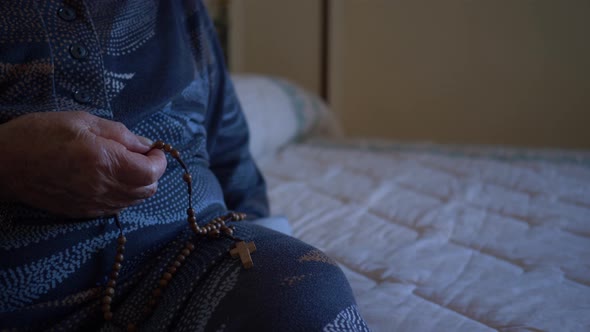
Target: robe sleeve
{"type": "Point", "coordinates": [243, 185]}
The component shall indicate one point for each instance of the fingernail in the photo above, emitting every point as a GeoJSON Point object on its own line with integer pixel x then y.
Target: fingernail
{"type": "Point", "coordinates": [145, 140]}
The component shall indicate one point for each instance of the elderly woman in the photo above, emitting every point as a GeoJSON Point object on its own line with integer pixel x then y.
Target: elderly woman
{"type": "Point", "coordinates": [97, 231]}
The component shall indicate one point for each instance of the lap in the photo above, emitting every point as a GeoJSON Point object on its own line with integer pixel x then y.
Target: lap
{"type": "Point", "coordinates": [291, 287]}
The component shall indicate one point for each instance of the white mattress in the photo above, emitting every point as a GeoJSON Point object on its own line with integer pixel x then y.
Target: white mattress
{"type": "Point", "coordinates": [437, 238]}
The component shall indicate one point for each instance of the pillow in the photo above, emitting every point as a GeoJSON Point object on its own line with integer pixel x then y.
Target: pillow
{"type": "Point", "coordinates": [280, 112]}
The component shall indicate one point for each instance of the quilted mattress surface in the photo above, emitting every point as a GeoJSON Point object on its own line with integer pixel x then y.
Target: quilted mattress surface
{"type": "Point", "coordinates": [436, 238]}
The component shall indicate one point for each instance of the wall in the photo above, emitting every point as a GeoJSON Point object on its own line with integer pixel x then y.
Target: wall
{"type": "Point", "coordinates": [461, 71]}
{"type": "Point", "coordinates": [466, 71]}
{"type": "Point", "coordinates": [277, 37]}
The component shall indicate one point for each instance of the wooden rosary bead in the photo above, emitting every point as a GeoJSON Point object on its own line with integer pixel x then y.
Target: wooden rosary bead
{"type": "Point", "coordinates": [190, 212]}
{"type": "Point", "coordinates": [187, 178]}
{"type": "Point", "coordinates": [214, 229]}
{"type": "Point", "coordinates": [158, 145]}
{"type": "Point", "coordinates": [237, 216]}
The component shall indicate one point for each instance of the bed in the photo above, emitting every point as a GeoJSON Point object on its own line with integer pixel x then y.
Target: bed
{"type": "Point", "coordinates": [431, 237]}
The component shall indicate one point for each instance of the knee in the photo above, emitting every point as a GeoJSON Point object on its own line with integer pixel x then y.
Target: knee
{"type": "Point", "coordinates": [294, 286]}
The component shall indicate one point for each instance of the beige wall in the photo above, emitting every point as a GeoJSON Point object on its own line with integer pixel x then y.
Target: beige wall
{"type": "Point", "coordinates": [277, 37]}
{"type": "Point", "coordinates": [467, 71]}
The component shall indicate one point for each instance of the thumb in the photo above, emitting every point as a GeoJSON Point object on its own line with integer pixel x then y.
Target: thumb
{"type": "Point", "coordinates": [117, 132]}
{"type": "Point", "coordinates": [145, 141]}
{"type": "Point", "coordinates": [139, 169]}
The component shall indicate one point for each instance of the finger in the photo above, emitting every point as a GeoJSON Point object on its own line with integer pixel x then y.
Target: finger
{"type": "Point", "coordinates": [139, 170]}
{"type": "Point", "coordinates": [143, 193]}
{"type": "Point", "coordinates": [98, 212]}
{"type": "Point", "coordinates": [107, 207]}
{"type": "Point", "coordinates": [116, 207]}
{"type": "Point", "coordinates": [117, 132]}
{"type": "Point", "coordinates": [82, 212]}
{"type": "Point", "coordinates": [125, 193]}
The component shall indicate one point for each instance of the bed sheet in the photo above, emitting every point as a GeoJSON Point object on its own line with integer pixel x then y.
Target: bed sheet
{"type": "Point", "coordinates": [440, 238]}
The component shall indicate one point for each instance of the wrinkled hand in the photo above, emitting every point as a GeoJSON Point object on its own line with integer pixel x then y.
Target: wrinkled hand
{"type": "Point", "coordinates": [76, 164]}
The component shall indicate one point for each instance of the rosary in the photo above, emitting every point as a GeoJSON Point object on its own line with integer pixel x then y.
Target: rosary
{"type": "Point", "coordinates": [216, 228]}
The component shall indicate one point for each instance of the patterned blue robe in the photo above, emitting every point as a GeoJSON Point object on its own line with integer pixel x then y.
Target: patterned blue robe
{"type": "Point", "coordinates": [155, 66]}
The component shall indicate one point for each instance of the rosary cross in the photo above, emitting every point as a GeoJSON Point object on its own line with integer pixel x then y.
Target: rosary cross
{"type": "Point", "coordinates": [243, 250]}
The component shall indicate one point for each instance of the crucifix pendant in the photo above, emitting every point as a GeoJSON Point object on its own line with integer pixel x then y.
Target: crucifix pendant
{"type": "Point", "coordinates": [243, 250]}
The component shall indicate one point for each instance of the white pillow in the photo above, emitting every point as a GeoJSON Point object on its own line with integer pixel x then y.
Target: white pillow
{"type": "Point", "coordinates": [279, 112]}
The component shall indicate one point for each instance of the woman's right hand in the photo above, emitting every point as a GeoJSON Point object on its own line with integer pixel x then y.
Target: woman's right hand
{"type": "Point", "coordinates": [76, 164]}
